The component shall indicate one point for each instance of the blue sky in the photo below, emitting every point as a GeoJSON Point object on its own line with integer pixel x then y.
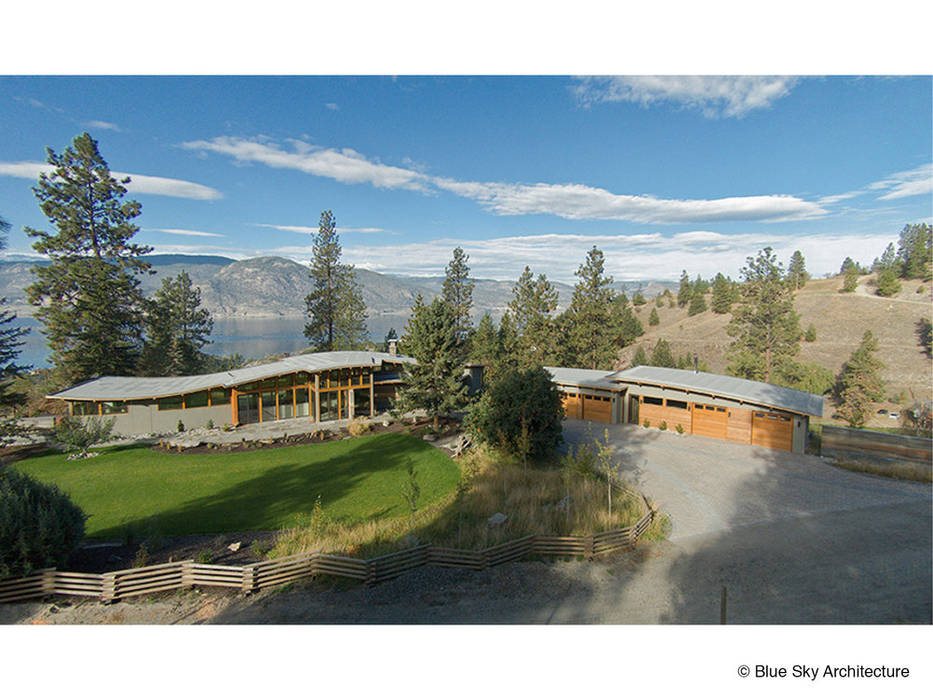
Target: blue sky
{"type": "Point", "coordinates": [661, 173]}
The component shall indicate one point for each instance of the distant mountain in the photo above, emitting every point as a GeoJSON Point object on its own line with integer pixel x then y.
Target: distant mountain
{"type": "Point", "coordinates": [269, 287]}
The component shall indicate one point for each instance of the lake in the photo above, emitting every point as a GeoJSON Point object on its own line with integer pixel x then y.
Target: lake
{"type": "Point", "coordinates": [251, 337]}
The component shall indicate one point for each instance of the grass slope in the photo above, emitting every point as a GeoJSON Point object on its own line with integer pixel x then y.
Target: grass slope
{"type": "Point", "coordinates": [124, 489]}
{"type": "Point", "coordinates": [840, 321]}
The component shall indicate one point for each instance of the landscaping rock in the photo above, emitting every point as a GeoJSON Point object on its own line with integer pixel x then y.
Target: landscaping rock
{"type": "Point", "coordinates": [430, 437]}
{"type": "Point", "coordinates": [235, 547]}
{"type": "Point", "coordinates": [497, 519]}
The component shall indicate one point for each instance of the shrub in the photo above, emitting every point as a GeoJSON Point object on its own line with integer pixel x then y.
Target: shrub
{"type": "Point", "coordinates": [210, 424]}
{"type": "Point", "coordinates": [180, 428]}
{"type": "Point", "coordinates": [359, 426]}
{"type": "Point", "coordinates": [679, 428]}
{"type": "Point", "coordinates": [39, 525]}
{"type": "Point", "coordinates": [647, 423]}
{"type": "Point", "coordinates": [663, 425]}
{"type": "Point", "coordinates": [810, 335]}
{"type": "Point", "coordinates": [79, 435]}
{"type": "Point", "coordinates": [520, 413]}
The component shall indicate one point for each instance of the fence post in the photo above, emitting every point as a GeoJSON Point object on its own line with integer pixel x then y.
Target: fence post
{"type": "Point", "coordinates": [187, 576]}
{"type": "Point", "coordinates": [588, 546]}
{"type": "Point", "coordinates": [48, 581]}
{"type": "Point", "coordinates": [109, 589]}
{"type": "Point", "coordinates": [249, 579]}
{"type": "Point", "coordinates": [370, 573]}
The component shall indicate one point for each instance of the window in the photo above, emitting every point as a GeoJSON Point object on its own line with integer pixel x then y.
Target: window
{"type": "Point", "coordinates": [268, 383]}
{"type": "Point", "coordinates": [303, 378]}
{"type": "Point", "coordinates": [220, 397]}
{"type": "Point", "coordinates": [671, 403]}
{"type": "Point", "coordinates": [170, 403]}
{"type": "Point", "coordinates": [303, 402]}
{"type": "Point", "coordinates": [198, 400]}
{"type": "Point", "coordinates": [267, 401]}
{"type": "Point", "coordinates": [84, 408]}
{"type": "Point", "coordinates": [110, 407]}
{"type": "Point", "coordinates": [652, 400]}
{"type": "Point", "coordinates": [248, 387]}
{"type": "Point", "coordinates": [720, 409]}
{"type": "Point", "coordinates": [285, 404]}
{"type": "Point", "coordinates": [361, 402]}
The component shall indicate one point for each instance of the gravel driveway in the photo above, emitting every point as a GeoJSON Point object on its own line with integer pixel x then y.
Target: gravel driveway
{"type": "Point", "coordinates": [709, 485]}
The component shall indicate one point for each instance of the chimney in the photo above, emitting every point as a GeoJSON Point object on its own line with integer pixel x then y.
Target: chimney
{"type": "Point", "coordinates": [393, 346]}
{"type": "Point", "coordinates": [695, 365]}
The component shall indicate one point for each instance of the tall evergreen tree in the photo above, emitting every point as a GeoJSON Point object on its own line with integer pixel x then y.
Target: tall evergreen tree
{"type": "Point", "coordinates": [533, 302]}
{"type": "Point", "coordinates": [335, 305]}
{"type": "Point", "coordinates": [176, 329]}
{"type": "Point", "coordinates": [850, 279]}
{"type": "Point", "coordinates": [661, 355]}
{"type": "Point", "coordinates": [797, 271]}
{"type": "Point", "coordinates": [764, 325]}
{"type": "Point", "coordinates": [458, 293]}
{"type": "Point", "coordinates": [509, 342]}
{"type": "Point", "coordinates": [434, 384]}
{"type": "Point", "coordinates": [485, 347]}
{"type": "Point", "coordinates": [888, 284]}
{"type": "Point", "coordinates": [629, 327]}
{"type": "Point", "coordinates": [11, 340]}
{"type": "Point", "coordinates": [700, 286]}
{"type": "Point", "coordinates": [686, 289]}
{"type": "Point", "coordinates": [915, 251]}
{"type": "Point", "coordinates": [88, 297]}
{"type": "Point", "coordinates": [722, 294]}
{"type": "Point", "coordinates": [640, 357]}
{"type": "Point", "coordinates": [697, 304]}
{"type": "Point", "coordinates": [859, 383]}
{"type": "Point", "coordinates": [887, 261]}
{"type": "Point", "coordinates": [592, 334]}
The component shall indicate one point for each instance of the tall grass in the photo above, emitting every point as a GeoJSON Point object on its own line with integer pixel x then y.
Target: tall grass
{"type": "Point", "coordinates": [544, 499]}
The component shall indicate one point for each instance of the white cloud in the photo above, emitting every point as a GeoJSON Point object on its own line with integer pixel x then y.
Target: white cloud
{"type": "Point", "coordinates": [187, 232]}
{"type": "Point", "coordinates": [344, 165]}
{"type": "Point", "coordinates": [333, 106]}
{"type": "Point", "coordinates": [698, 237]}
{"type": "Point", "coordinates": [715, 96]}
{"type": "Point", "coordinates": [139, 184]}
{"type": "Point", "coordinates": [98, 124]}
{"type": "Point", "coordinates": [314, 229]}
{"type": "Point", "coordinates": [906, 183]}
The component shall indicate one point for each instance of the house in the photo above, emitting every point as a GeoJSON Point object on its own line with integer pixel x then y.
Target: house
{"type": "Point", "coordinates": [713, 405]}
{"type": "Point", "coordinates": [321, 386]}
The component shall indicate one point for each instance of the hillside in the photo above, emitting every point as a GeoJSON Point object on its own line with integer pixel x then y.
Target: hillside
{"type": "Point", "coordinates": [840, 321]}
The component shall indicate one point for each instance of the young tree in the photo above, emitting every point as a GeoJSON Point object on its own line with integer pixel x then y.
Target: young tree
{"type": "Point", "coordinates": [764, 324]}
{"type": "Point", "coordinates": [849, 264]}
{"type": "Point", "coordinates": [723, 295]}
{"type": "Point", "coordinates": [662, 356]}
{"type": "Point", "coordinates": [592, 330]}
{"type": "Point", "coordinates": [335, 305]}
{"type": "Point", "coordinates": [654, 319]}
{"type": "Point", "coordinates": [686, 290]}
{"type": "Point", "coordinates": [797, 271]}
{"type": "Point", "coordinates": [88, 297]}
{"type": "Point", "coordinates": [639, 299]}
{"type": "Point", "coordinates": [700, 286]}
{"type": "Point", "coordinates": [640, 357]}
{"type": "Point", "coordinates": [533, 302]}
{"type": "Point", "coordinates": [11, 340]}
{"type": "Point", "coordinates": [859, 383]}
{"type": "Point", "coordinates": [810, 335]}
{"type": "Point", "coordinates": [850, 280]}
{"type": "Point", "coordinates": [176, 329]}
{"type": "Point", "coordinates": [915, 250]}
{"type": "Point", "coordinates": [697, 304]}
{"type": "Point", "coordinates": [458, 293]}
{"type": "Point", "coordinates": [888, 284]}
{"type": "Point", "coordinates": [434, 383]}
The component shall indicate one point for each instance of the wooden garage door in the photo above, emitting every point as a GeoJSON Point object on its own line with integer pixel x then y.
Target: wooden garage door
{"type": "Point", "coordinates": [773, 430]}
{"type": "Point", "coordinates": [740, 425]}
{"type": "Point", "coordinates": [573, 407]}
{"type": "Point", "coordinates": [710, 421]}
{"type": "Point", "coordinates": [668, 411]}
{"type": "Point", "coordinates": [597, 408]}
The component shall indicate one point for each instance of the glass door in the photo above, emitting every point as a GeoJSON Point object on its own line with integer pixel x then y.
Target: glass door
{"type": "Point", "coordinates": [247, 408]}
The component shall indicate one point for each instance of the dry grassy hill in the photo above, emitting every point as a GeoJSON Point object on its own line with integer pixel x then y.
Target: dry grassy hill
{"type": "Point", "coordinates": [840, 321]}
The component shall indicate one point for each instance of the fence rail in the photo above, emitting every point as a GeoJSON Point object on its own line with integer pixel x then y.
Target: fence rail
{"type": "Point", "coordinates": [248, 578]}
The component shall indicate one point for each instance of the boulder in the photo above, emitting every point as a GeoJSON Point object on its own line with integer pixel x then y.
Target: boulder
{"type": "Point", "coordinates": [497, 519]}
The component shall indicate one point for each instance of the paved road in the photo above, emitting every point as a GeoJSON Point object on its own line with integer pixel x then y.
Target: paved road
{"type": "Point", "coordinates": [709, 485]}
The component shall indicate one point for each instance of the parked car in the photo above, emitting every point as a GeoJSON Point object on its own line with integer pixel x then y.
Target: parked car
{"type": "Point", "coordinates": [882, 411]}
{"type": "Point", "coordinates": [893, 416]}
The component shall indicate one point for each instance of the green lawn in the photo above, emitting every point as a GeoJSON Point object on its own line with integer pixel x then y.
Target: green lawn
{"type": "Point", "coordinates": [124, 489]}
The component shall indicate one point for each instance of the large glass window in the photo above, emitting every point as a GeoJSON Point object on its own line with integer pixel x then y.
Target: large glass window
{"type": "Point", "coordinates": [220, 397]}
{"type": "Point", "coordinates": [303, 400]}
{"type": "Point", "coordinates": [268, 406]}
{"type": "Point", "coordinates": [84, 408]}
{"type": "Point", "coordinates": [109, 407]}
{"type": "Point", "coordinates": [361, 402]}
{"type": "Point", "coordinates": [198, 400]}
{"type": "Point", "coordinates": [170, 403]}
{"type": "Point", "coordinates": [329, 406]}
{"type": "Point", "coordinates": [286, 410]}
{"type": "Point", "coordinates": [247, 408]}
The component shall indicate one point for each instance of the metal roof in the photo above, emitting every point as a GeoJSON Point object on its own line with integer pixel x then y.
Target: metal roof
{"type": "Point", "coordinates": [586, 378]}
{"type": "Point", "coordinates": [726, 387]}
{"type": "Point", "coordinates": [128, 388]}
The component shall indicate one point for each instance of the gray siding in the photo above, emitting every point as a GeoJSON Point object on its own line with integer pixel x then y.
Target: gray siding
{"type": "Point", "coordinates": [142, 419]}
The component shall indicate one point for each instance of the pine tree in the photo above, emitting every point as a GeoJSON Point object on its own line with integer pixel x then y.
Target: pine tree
{"type": "Point", "coordinates": [640, 357]}
{"type": "Point", "coordinates": [391, 335]}
{"type": "Point", "coordinates": [335, 305]}
{"type": "Point", "coordinates": [639, 299]}
{"type": "Point", "coordinates": [11, 340]}
{"type": "Point", "coordinates": [661, 355]}
{"type": "Point", "coordinates": [88, 298]}
{"type": "Point", "coordinates": [485, 347]}
{"type": "Point", "coordinates": [434, 384]}
{"type": "Point", "coordinates": [654, 319]}
{"type": "Point", "coordinates": [509, 342]}
{"type": "Point", "coordinates": [686, 289]}
{"type": "Point", "coordinates": [697, 304]}
{"type": "Point", "coordinates": [764, 325]}
{"type": "Point", "coordinates": [700, 286]}
{"type": "Point", "coordinates": [888, 284]}
{"type": "Point", "coordinates": [859, 383]}
{"type": "Point", "coordinates": [722, 294]}
{"type": "Point", "coordinates": [458, 293]}
{"type": "Point", "coordinates": [915, 250]}
{"type": "Point", "coordinates": [848, 264]}
{"type": "Point", "coordinates": [810, 335]}
{"type": "Point", "coordinates": [797, 271]}
{"type": "Point", "coordinates": [629, 327]}
{"type": "Point", "coordinates": [176, 330]}
{"type": "Point", "coordinates": [533, 302]}
{"type": "Point", "coordinates": [850, 281]}
{"type": "Point", "coordinates": [593, 330]}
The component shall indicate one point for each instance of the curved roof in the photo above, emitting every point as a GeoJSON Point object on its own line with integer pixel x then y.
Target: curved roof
{"type": "Point", "coordinates": [720, 385]}
{"type": "Point", "coordinates": [129, 388]}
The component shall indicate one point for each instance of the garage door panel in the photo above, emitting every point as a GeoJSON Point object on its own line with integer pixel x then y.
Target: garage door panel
{"type": "Point", "coordinates": [740, 425]}
{"type": "Point", "coordinates": [573, 408]}
{"type": "Point", "coordinates": [597, 409]}
{"type": "Point", "coordinates": [710, 421]}
{"type": "Point", "coordinates": [772, 430]}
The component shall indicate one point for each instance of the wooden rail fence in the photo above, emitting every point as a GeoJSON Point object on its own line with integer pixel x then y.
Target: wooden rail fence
{"type": "Point", "coordinates": [274, 572]}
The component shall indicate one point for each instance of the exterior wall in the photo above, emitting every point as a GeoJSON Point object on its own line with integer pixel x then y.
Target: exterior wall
{"type": "Point", "coordinates": [145, 418]}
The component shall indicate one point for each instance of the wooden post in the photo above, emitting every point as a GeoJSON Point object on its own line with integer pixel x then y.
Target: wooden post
{"type": "Point", "coordinates": [48, 581]}
{"type": "Point", "coordinates": [372, 397]}
{"type": "Point", "coordinates": [722, 607]}
{"type": "Point", "coordinates": [109, 590]}
{"type": "Point", "coordinates": [317, 399]}
{"type": "Point", "coordinates": [249, 579]}
{"type": "Point", "coordinates": [235, 409]}
{"type": "Point", "coordinates": [588, 546]}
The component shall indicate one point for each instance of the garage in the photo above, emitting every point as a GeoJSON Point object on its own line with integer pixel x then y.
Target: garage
{"type": "Point", "coordinates": [711, 421]}
{"type": "Point", "coordinates": [774, 430]}
{"type": "Point", "coordinates": [597, 408]}
{"type": "Point", "coordinates": [586, 394]}
{"type": "Point", "coordinates": [573, 405]}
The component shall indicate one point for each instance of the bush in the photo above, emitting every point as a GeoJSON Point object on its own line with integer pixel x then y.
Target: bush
{"type": "Point", "coordinates": [663, 425]}
{"type": "Point", "coordinates": [647, 423]}
{"type": "Point", "coordinates": [79, 435]}
{"type": "Point", "coordinates": [358, 426]}
{"type": "Point", "coordinates": [810, 335]}
{"type": "Point", "coordinates": [39, 525]}
{"type": "Point", "coordinates": [520, 413]}
{"type": "Point", "coordinates": [679, 428]}
{"type": "Point", "coordinates": [180, 428]}
{"type": "Point", "coordinates": [210, 424]}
